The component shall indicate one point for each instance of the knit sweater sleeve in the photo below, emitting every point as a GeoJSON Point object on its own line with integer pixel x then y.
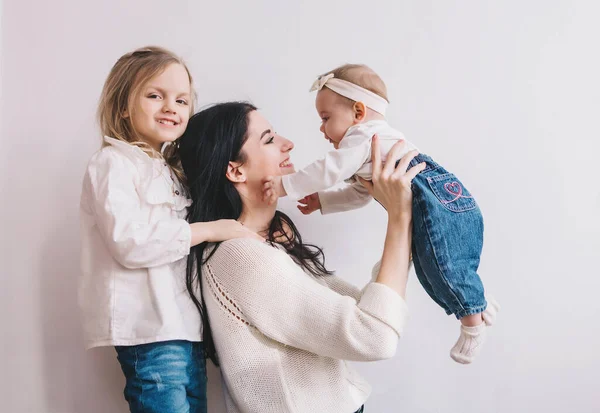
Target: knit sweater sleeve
{"type": "Point", "coordinates": [342, 286]}
{"type": "Point", "coordinates": [274, 295]}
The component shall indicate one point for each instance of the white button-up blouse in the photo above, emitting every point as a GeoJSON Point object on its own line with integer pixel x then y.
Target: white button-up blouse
{"type": "Point", "coordinates": [134, 240]}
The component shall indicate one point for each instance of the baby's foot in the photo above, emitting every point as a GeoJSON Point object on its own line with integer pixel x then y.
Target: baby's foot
{"type": "Point", "coordinates": [469, 343]}
{"type": "Point", "coordinates": [490, 313]}
{"type": "Point", "coordinates": [471, 339]}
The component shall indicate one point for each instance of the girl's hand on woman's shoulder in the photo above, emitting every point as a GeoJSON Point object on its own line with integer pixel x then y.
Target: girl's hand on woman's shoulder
{"type": "Point", "coordinates": [221, 230]}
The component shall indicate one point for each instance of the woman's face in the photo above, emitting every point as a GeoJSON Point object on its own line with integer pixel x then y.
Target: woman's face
{"type": "Point", "coordinates": [266, 152]}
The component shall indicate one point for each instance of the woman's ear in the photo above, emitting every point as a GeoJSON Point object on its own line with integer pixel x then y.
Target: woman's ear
{"type": "Point", "coordinates": [234, 172]}
{"type": "Point", "coordinates": [360, 112]}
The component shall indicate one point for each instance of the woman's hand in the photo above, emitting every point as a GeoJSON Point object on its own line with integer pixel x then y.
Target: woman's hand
{"type": "Point", "coordinates": [273, 189]}
{"type": "Point", "coordinates": [391, 185]}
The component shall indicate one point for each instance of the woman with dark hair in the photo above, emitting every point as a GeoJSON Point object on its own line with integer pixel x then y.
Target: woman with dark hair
{"type": "Point", "coordinates": [281, 324]}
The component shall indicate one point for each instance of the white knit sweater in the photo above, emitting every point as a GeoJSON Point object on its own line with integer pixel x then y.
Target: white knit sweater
{"type": "Point", "coordinates": [282, 335]}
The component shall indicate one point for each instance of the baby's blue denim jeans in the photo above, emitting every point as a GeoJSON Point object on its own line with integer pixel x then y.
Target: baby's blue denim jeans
{"type": "Point", "coordinates": [167, 376]}
{"type": "Point", "coordinates": [447, 240]}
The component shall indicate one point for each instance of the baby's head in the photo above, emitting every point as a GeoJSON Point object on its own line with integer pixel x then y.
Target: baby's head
{"type": "Point", "coordinates": [349, 95]}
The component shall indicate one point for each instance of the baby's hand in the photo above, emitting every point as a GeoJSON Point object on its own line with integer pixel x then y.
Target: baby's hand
{"type": "Point", "coordinates": [310, 204]}
{"type": "Point", "coordinates": [273, 189]}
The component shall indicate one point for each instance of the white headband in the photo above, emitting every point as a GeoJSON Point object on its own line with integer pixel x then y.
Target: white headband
{"type": "Point", "coordinates": [351, 91]}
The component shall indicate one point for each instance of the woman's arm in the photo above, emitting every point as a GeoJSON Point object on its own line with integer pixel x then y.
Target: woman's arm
{"type": "Point", "coordinates": [266, 289]}
{"type": "Point", "coordinates": [392, 188]}
{"type": "Point", "coordinates": [342, 286]}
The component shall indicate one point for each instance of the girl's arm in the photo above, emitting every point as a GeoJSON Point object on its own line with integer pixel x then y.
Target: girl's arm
{"type": "Point", "coordinates": [110, 195]}
{"type": "Point", "coordinates": [220, 230]}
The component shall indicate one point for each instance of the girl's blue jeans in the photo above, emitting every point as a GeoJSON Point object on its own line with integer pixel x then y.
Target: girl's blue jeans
{"type": "Point", "coordinates": [168, 376]}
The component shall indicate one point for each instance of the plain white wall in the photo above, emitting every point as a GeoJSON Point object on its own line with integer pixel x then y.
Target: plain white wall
{"type": "Point", "coordinates": [505, 94]}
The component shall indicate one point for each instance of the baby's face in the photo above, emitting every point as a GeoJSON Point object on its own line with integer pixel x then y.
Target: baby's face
{"type": "Point", "coordinates": [336, 113]}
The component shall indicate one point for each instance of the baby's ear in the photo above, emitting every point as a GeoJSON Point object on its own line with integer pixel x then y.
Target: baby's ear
{"type": "Point", "coordinates": [360, 111]}
{"type": "Point", "coordinates": [234, 172]}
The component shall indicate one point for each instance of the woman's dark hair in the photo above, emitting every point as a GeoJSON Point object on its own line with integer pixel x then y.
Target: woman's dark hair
{"type": "Point", "coordinates": [213, 138]}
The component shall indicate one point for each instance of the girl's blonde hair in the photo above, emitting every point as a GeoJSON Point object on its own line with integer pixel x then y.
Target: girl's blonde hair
{"type": "Point", "coordinates": [121, 90]}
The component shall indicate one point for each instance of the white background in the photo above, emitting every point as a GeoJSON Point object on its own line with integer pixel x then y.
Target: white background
{"type": "Point", "coordinates": [504, 93]}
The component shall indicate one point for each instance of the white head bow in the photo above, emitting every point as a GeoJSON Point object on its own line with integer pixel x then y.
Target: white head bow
{"type": "Point", "coordinates": [351, 91]}
{"type": "Point", "coordinates": [320, 82]}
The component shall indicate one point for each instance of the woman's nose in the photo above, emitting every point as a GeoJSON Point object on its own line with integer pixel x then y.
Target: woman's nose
{"type": "Point", "coordinates": [322, 128]}
{"type": "Point", "coordinates": [287, 145]}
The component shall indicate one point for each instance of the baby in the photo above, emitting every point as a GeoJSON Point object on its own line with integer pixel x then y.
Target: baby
{"type": "Point", "coordinates": [447, 223]}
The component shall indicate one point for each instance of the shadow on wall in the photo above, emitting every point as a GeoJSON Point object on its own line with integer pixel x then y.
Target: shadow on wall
{"type": "Point", "coordinates": [78, 381]}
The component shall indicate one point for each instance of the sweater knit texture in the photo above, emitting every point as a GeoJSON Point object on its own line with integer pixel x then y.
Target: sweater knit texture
{"type": "Point", "coordinates": [284, 337]}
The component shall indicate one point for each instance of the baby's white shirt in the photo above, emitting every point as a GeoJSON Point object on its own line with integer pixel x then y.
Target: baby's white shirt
{"type": "Point", "coordinates": [351, 159]}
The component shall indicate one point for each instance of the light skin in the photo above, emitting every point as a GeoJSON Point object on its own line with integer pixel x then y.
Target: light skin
{"type": "Point", "coordinates": [267, 154]}
{"type": "Point", "coordinates": [162, 108]}
{"type": "Point", "coordinates": [337, 115]}
{"type": "Point", "coordinates": [160, 114]}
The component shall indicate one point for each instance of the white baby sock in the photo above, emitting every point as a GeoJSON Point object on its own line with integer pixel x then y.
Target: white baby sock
{"type": "Point", "coordinates": [469, 343]}
{"type": "Point", "coordinates": [490, 313]}
{"type": "Point", "coordinates": [471, 339]}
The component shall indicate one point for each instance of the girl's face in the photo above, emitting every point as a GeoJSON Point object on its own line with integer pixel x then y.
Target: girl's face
{"type": "Point", "coordinates": [336, 114]}
{"type": "Point", "coordinates": [162, 108]}
{"type": "Point", "coordinates": [266, 152]}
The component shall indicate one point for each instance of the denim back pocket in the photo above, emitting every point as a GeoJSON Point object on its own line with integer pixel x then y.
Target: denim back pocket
{"type": "Point", "coordinates": [451, 193]}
